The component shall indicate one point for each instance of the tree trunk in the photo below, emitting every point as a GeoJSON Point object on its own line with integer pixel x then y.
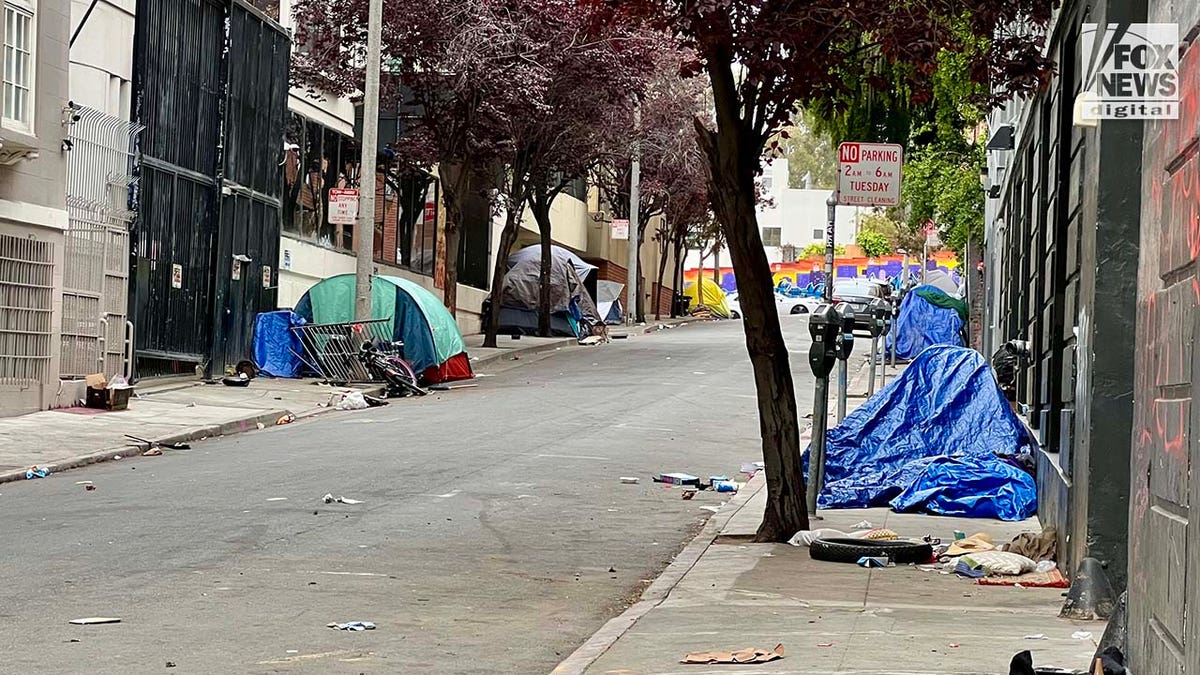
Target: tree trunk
{"type": "Point", "coordinates": [539, 204]}
{"type": "Point", "coordinates": [508, 237]}
{"type": "Point", "coordinates": [456, 186]}
{"type": "Point", "coordinates": [681, 254]}
{"type": "Point", "coordinates": [663, 249]}
{"type": "Point", "coordinates": [733, 157]}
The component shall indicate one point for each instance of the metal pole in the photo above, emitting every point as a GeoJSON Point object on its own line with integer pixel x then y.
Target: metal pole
{"type": "Point", "coordinates": [831, 217]}
{"type": "Point", "coordinates": [816, 456]}
{"type": "Point", "coordinates": [841, 389]}
{"type": "Point", "coordinates": [883, 364]}
{"type": "Point", "coordinates": [841, 402]}
{"type": "Point", "coordinates": [635, 176]}
{"type": "Point", "coordinates": [874, 354]}
{"type": "Point", "coordinates": [366, 181]}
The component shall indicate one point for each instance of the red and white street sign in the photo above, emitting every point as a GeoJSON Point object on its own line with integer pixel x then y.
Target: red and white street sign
{"type": "Point", "coordinates": [343, 206]}
{"type": "Point", "coordinates": [869, 174]}
{"type": "Point", "coordinates": [620, 229]}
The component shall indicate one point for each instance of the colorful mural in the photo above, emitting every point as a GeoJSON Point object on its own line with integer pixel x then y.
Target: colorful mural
{"type": "Point", "coordinates": [810, 273]}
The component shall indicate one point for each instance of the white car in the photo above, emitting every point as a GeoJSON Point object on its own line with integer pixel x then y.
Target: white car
{"type": "Point", "coordinates": [783, 305]}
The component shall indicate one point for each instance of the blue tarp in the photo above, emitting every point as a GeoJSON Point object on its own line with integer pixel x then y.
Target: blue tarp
{"type": "Point", "coordinates": [929, 441]}
{"type": "Point", "coordinates": [276, 347]}
{"type": "Point", "coordinates": [921, 324]}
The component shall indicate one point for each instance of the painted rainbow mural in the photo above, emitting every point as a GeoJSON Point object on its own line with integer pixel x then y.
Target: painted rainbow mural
{"type": "Point", "coordinates": [810, 271]}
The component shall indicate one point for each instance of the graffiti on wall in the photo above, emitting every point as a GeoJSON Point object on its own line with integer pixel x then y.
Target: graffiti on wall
{"type": "Point", "coordinates": [810, 273]}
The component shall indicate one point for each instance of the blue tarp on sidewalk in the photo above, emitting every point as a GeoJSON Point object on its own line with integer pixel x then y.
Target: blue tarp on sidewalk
{"type": "Point", "coordinates": [929, 441]}
{"type": "Point", "coordinates": [921, 324]}
{"type": "Point", "coordinates": [276, 346]}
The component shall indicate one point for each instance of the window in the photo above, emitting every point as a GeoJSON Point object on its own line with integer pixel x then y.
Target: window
{"type": "Point", "coordinates": [772, 236]}
{"type": "Point", "coordinates": [818, 234]}
{"type": "Point", "coordinates": [768, 183]}
{"type": "Point", "coordinates": [18, 65]}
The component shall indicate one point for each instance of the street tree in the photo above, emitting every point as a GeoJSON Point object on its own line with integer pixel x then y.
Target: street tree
{"type": "Point", "coordinates": [873, 244]}
{"type": "Point", "coordinates": [671, 166]}
{"type": "Point", "coordinates": [457, 68]}
{"type": "Point", "coordinates": [762, 59]}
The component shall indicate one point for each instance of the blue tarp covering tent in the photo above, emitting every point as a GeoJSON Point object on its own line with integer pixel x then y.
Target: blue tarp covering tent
{"type": "Point", "coordinates": [929, 441]}
{"type": "Point", "coordinates": [277, 348]}
{"type": "Point", "coordinates": [922, 323]}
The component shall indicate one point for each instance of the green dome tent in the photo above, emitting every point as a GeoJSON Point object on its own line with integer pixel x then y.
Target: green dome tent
{"type": "Point", "coordinates": [432, 342]}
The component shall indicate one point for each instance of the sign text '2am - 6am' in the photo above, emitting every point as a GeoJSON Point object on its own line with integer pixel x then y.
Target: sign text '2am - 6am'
{"type": "Point", "coordinates": [869, 174]}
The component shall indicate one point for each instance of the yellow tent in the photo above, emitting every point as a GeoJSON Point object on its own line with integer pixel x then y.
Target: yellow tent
{"type": "Point", "coordinates": [713, 296]}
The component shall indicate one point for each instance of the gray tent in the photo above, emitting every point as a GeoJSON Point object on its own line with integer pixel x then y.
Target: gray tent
{"type": "Point", "coordinates": [582, 268]}
{"type": "Point", "coordinates": [941, 281]}
{"type": "Point", "coordinates": [608, 302]}
{"type": "Point", "coordinates": [570, 303]}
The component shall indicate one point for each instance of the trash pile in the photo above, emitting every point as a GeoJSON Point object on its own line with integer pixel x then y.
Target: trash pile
{"type": "Point", "coordinates": [1028, 561]}
{"type": "Point", "coordinates": [941, 438]}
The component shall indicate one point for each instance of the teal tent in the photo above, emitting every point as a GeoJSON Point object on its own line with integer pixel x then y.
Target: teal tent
{"type": "Point", "coordinates": [433, 344]}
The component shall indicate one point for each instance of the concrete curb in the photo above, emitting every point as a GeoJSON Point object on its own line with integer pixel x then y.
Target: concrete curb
{"type": "Point", "coordinates": [648, 329]}
{"type": "Point", "coordinates": [600, 641]}
{"type": "Point", "coordinates": [522, 351]}
{"type": "Point", "coordinates": [132, 449]}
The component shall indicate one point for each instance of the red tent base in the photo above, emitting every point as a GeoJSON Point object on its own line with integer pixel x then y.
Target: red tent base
{"type": "Point", "coordinates": [457, 367]}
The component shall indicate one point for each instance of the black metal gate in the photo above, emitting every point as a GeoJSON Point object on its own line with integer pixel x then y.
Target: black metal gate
{"type": "Point", "coordinates": [211, 81]}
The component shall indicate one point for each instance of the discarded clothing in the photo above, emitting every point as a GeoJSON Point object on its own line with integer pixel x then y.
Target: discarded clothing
{"type": "Point", "coordinates": [928, 441]}
{"type": "Point", "coordinates": [1037, 547]}
{"type": "Point", "coordinates": [36, 472]}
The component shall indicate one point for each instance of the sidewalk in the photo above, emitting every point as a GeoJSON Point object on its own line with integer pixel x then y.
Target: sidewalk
{"type": "Point", "coordinates": [840, 618]}
{"type": "Point", "coordinates": [189, 411]}
{"type": "Point", "coordinates": [723, 592]}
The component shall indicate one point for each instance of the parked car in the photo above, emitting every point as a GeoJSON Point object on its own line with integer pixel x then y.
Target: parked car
{"type": "Point", "coordinates": [858, 293]}
{"type": "Point", "coordinates": [783, 305]}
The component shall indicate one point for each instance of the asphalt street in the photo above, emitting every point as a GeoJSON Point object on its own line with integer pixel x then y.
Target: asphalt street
{"type": "Point", "coordinates": [494, 535]}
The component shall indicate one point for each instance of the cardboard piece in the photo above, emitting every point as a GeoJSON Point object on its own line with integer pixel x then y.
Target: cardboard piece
{"type": "Point", "coordinates": [96, 381]}
{"type": "Point", "coordinates": [747, 655]}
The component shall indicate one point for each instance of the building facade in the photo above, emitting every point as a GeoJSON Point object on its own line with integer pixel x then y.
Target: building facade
{"type": "Point", "coordinates": [33, 207]}
{"type": "Point", "coordinates": [1061, 248]}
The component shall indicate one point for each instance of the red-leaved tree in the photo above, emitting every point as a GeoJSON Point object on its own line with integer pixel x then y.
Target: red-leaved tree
{"type": "Point", "coordinates": [671, 165]}
{"type": "Point", "coordinates": [762, 58]}
{"type": "Point", "coordinates": [459, 68]}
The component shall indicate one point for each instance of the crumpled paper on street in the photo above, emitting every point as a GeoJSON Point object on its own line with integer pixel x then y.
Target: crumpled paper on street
{"type": "Point", "coordinates": [747, 655]}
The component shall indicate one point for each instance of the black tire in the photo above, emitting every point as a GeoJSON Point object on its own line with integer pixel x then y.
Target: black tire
{"type": "Point", "coordinates": [846, 550]}
{"type": "Point", "coordinates": [733, 314]}
{"type": "Point", "coordinates": [799, 309]}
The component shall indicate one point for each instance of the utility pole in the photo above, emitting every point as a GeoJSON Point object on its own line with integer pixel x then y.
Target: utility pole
{"type": "Point", "coordinates": [635, 177]}
{"type": "Point", "coordinates": [366, 173]}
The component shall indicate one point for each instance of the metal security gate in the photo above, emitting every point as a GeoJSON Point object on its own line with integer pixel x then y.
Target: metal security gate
{"type": "Point", "coordinates": [211, 83]}
{"type": "Point", "coordinates": [96, 335]}
{"type": "Point", "coordinates": [26, 313]}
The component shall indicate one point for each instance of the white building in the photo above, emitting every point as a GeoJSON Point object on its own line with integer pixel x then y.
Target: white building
{"type": "Point", "coordinates": [791, 218]}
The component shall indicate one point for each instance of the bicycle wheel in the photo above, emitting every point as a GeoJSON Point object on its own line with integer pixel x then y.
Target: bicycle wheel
{"type": "Point", "coordinates": [402, 376]}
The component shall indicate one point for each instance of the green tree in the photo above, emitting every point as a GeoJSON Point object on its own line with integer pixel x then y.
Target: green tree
{"type": "Point", "coordinates": [891, 224]}
{"type": "Point", "coordinates": [810, 153]}
{"type": "Point", "coordinates": [818, 249]}
{"type": "Point", "coordinates": [873, 244]}
{"type": "Point", "coordinates": [944, 187]}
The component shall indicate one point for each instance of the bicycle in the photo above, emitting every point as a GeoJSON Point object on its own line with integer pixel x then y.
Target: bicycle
{"type": "Point", "coordinates": [390, 368]}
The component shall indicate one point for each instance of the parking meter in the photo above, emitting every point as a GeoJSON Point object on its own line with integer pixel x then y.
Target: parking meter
{"type": "Point", "coordinates": [846, 323]}
{"type": "Point", "coordinates": [824, 326]}
{"type": "Point", "coordinates": [881, 314]}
